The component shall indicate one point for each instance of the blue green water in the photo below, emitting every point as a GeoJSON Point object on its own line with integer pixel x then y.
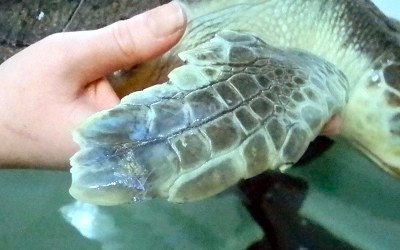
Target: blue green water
{"type": "Point", "coordinates": [347, 195]}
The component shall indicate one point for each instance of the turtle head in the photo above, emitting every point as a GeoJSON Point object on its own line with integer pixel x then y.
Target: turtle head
{"type": "Point", "coordinates": [371, 120]}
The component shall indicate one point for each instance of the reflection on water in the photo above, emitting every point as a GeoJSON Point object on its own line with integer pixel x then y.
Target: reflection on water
{"type": "Point", "coordinates": [92, 222]}
{"type": "Point", "coordinates": [220, 222]}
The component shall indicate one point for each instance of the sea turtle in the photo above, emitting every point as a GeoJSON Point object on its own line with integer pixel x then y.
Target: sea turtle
{"type": "Point", "coordinates": [259, 80]}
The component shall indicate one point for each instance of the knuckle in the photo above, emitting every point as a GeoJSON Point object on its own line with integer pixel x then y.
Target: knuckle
{"type": "Point", "coordinates": [60, 51]}
{"type": "Point", "coordinates": [55, 40]}
{"type": "Point", "coordinates": [58, 44]}
{"type": "Point", "coordinates": [124, 41]}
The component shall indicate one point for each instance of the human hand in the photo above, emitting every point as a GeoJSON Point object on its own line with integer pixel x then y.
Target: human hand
{"type": "Point", "coordinates": [54, 84]}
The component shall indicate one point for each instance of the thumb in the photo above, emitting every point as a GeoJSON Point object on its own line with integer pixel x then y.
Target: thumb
{"type": "Point", "coordinates": [125, 43]}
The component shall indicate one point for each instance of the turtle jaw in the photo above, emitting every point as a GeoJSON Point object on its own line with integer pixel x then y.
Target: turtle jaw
{"type": "Point", "coordinates": [386, 160]}
{"type": "Point", "coordinates": [371, 138]}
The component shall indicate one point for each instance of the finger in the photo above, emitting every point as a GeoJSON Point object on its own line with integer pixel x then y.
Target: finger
{"type": "Point", "coordinates": [95, 97]}
{"type": "Point", "coordinates": [332, 127]}
{"type": "Point", "coordinates": [126, 43]}
{"type": "Point", "coordinates": [100, 95]}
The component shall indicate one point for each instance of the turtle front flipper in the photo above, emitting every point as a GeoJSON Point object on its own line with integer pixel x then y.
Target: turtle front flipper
{"type": "Point", "coordinates": [236, 108]}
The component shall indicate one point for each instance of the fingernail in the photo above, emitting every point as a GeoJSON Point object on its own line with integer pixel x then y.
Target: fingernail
{"type": "Point", "coordinates": [166, 20]}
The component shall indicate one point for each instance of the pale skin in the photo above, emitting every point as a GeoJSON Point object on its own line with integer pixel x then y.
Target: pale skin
{"type": "Point", "coordinates": [53, 85]}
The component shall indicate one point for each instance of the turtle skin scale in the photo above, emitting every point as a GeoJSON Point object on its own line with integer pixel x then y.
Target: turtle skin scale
{"type": "Point", "coordinates": [259, 80]}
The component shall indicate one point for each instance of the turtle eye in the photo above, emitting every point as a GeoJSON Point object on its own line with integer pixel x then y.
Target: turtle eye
{"type": "Point", "coordinates": [392, 75]}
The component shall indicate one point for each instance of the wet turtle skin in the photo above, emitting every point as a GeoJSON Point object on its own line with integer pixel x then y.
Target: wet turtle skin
{"type": "Point", "coordinates": [195, 141]}
{"type": "Point", "coordinates": [259, 81]}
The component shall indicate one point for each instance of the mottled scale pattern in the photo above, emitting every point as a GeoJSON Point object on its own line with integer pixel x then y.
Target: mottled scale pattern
{"type": "Point", "coordinates": [236, 108]}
